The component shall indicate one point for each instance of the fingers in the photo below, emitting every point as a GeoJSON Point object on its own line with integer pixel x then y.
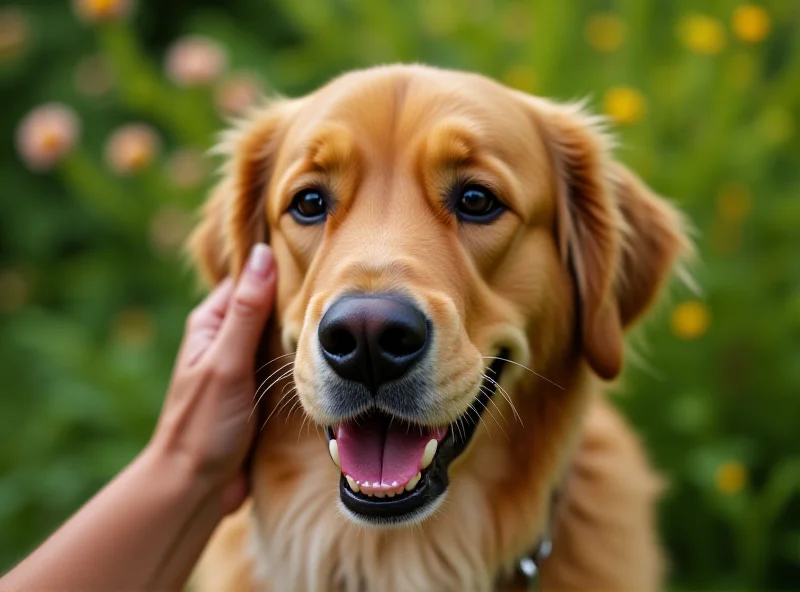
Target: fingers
{"type": "Point", "coordinates": [248, 310]}
{"type": "Point", "coordinates": [204, 322]}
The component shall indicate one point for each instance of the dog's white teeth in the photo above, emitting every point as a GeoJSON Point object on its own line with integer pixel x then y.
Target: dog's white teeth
{"type": "Point", "coordinates": [352, 483]}
{"type": "Point", "coordinates": [380, 493]}
{"type": "Point", "coordinates": [333, 448]}
{"type": "Point", "coordinates": [414, 480]}
{"type": "Point", "coordinates": [427, 456]}
{"type": "Point", "coordinates": [390, 493]}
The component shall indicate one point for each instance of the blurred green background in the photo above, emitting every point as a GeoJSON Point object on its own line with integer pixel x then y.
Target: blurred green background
{"type": "Point", "coordinates": [94, 288]}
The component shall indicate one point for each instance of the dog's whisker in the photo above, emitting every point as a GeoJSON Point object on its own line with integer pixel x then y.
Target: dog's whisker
{"type": "Point", "coordinates": [489, 411]}
{"type": "Point", "coordinates": [496, 406]}
{"type": "Point", "coordinates": [525, 368]}
{"type": "Point", "coordinates": [266, 390]}
{"type": "Point", "coordinates": [284, 394]}
{"type": "Point", "coordinates": [260, 368]}
{"type": "Point", "coordinates": [280, 405]}
{"type": "Point", "coordinates": [270, 376]}
{"type": "Point", "coordinates": [506, 396]}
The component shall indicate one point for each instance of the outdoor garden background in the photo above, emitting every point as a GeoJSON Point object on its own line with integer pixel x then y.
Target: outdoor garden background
{"type": "Point", "coordinates": [108, 107]}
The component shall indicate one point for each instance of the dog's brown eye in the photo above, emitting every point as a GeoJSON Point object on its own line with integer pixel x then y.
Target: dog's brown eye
{"type": "Point", "coordinates": [478, 204]}
{"type": "Point", "coordinates": [309, 206]}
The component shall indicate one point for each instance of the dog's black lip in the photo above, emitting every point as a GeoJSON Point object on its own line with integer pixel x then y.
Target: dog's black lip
{"type": "Point", "coordinates": [435, 478]}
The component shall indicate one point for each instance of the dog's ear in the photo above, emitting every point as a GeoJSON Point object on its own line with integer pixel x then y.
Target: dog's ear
{"type": "Point", "coordinates": [234, 218]}
{"type": "Point", "coordinates": [618, 238]}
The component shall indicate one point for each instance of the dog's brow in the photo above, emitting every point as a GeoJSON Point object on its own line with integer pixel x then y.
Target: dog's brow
{"type": "Point", "coordinates": [331, 147]}
{"type": "Point", "coordinates": [451, 142]}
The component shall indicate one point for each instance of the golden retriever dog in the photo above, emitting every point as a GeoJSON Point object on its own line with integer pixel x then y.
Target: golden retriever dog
{"type": "Point", "coordinates": [457, 265]}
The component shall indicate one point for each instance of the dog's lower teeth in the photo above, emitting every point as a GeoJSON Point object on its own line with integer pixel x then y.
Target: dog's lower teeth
{"type": "Point", "coordinates": [430, 452]}
{"type": "Point", "coordinates": [414, 480]}
{"type": "Point", "coordinates": [352, 483]}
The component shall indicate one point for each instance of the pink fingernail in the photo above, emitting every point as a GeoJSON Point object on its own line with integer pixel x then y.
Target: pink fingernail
{"type": "Point", "coordinates": [260, 261]}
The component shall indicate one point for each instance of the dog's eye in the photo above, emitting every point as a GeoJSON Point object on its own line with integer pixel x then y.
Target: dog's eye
{"type": "Point", "coordinates": [309, 206]}
{"type": "Point", "coordinates": [478, 204]}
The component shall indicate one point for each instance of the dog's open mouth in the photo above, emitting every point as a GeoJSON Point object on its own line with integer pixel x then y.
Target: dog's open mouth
{"type": "Point", "coordinates": [395, 471]}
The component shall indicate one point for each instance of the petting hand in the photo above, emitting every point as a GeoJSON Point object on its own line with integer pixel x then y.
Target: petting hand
{"type": "Point", "coordinates": [208, 415]}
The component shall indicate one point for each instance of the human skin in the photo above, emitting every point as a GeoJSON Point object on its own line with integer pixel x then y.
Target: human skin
{"type": "Point", "coordinates": [147, 527]}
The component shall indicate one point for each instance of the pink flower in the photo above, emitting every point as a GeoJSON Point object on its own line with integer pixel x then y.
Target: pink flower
{"type": "Point", "coordinates": [46, 135]}
{"type": "Point", "coordinates": [237, 93]}
{"type": "Point", "coordinates": [169, 228]}
{"type": "Point", "coordinates": [195, 61]}
{"type": "Point", "coordinates": [186, 168]}
{"type": "Point", "coordinates": [132, 148]}
{"type": "Point", "coordinates": [96, 11]}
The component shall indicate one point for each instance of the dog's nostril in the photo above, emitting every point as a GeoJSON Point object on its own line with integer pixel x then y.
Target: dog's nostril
{"type": "Point", "coordinates": [398, 341]}
{"type": "Point", "coordinates": [340, 342]}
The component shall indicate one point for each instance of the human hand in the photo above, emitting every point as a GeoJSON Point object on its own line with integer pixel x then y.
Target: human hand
{"type": "Point", "coordinates": [206, 420]}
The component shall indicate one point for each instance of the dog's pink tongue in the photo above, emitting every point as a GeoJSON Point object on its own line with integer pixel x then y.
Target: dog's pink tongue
{"type": "Point", "coordinates": [373, 452]}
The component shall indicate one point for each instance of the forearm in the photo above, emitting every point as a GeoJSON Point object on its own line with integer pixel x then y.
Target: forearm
{"type": "Point", "coordinates": [144, 530]}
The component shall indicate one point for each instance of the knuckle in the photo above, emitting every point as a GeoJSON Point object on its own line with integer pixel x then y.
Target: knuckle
{"type": "Point", "coordinates": [246, 306]}
{"type": "Point", "coordinates": [223, 373]}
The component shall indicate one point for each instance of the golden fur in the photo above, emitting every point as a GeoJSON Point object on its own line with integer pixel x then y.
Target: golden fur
{"type": "Point", "coordinates": [579, 256]}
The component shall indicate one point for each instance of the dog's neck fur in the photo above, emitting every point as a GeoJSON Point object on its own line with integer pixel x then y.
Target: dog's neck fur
{"type": "Point", "coordinates": [495, 508]}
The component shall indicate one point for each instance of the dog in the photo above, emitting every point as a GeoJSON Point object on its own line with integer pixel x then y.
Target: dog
{"type": "Point", "coordinates": [457, 265]}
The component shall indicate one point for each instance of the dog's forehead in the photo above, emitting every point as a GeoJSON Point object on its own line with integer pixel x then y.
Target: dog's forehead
{"type": "Point", "coordinates": [394, 105]}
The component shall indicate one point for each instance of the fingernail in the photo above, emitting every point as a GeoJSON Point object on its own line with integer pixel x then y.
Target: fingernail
{"type": "Point", "coordinates": [260, 261]}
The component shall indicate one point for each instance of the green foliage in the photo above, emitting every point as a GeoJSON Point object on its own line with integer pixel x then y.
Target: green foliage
{"type": "Point", "coordinates": [93, 289]}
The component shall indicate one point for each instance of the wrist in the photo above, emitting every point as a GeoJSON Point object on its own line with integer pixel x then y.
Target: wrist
{"type": "Point", "coordinates": [183, 473]}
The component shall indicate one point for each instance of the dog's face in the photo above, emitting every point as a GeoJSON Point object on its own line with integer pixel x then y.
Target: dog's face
{"type": "Point", "coordinates": [433, 232]}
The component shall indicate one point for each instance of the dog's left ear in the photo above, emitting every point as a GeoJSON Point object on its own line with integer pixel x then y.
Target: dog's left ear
{"type": "Point", "coordinates": [619, 238]}
{"type": "Point", "coordinates": [233, 217]}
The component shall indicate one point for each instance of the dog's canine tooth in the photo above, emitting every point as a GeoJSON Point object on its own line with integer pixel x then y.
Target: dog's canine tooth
{"type": "Point", "coordinates": [333, 448]}
{"type": "Point", "coordinates": [352, 483]}
{"type": "Point", "coordinates": [427, 456]}
{"type": "Point", "coordinates": [414, 480]}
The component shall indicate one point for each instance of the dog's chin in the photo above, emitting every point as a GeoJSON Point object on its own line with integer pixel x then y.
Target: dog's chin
{"type": "Point", "coordinates": [396, 474]}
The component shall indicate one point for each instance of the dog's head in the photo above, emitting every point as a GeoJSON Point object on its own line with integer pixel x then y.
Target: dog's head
{"type": "Point", "coordinates": [433, 230]}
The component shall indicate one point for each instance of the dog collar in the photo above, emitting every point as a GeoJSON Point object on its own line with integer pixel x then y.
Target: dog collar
{"type": "Point", "coordinates": [526, 572]}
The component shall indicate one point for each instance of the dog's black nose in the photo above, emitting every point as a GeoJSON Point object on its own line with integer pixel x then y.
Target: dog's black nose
{"type": "Point", "coordinates": [372, 339]}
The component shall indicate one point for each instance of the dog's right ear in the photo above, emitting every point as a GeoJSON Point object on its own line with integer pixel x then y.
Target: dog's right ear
{"type": "Point", "coordinates": [233, 219]}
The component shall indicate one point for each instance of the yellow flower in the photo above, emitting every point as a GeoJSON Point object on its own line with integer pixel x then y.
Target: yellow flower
{"type": "Point", "coordinates": [733, 202]}
{"type": "Point", "coordinates": [731, 477]}
{"type": "Point", "coordinates": [131, 148]}
{"type": "Point", "coordinates": [605, 32]}
{"type": "Point", "coordinates": [751, 23]}
{"type": "Point", "coordinates": [702, 34]}
{"type": "Point", "coordinates": [690, 320]}
{"type": "Point", "coordinates": [521, 77]}
{"type": "Point", "coordinates": [46, 135]}
{"type": "Point", "coordinates": [624, 105]}
{"type": "Point", "coordinates": [134, 327]}
{"type": "Point", "coordinates": [94, 11]}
